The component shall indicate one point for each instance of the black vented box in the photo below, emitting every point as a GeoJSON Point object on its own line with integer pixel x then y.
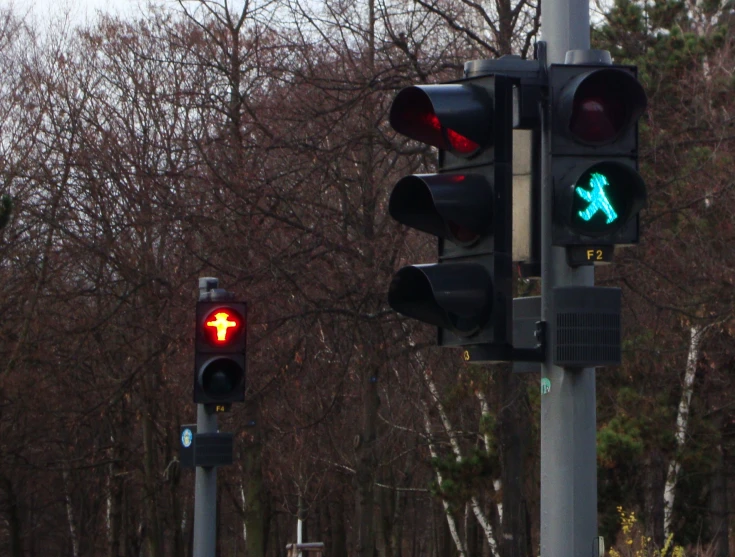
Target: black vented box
{"type": "Point", "coordinates": [213, 449]}
{"type": "Point", "coordinates": [585, 329]}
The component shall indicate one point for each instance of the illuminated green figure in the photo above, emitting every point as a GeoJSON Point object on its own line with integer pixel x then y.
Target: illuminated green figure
{"type": "Point", "coordinates": [597, 199]}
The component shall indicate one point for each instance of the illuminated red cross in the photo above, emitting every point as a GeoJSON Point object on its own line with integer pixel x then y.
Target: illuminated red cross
{"type": "Point", "coordinates": [221, 324]}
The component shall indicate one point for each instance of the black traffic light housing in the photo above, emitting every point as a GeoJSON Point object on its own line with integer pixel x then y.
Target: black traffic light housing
{"type": "Point", "coordinates": [467, 205]}
{"type": "Point", "coordinates": [598, 192]}
{"type": "Point", "coordinates": [220, 345]}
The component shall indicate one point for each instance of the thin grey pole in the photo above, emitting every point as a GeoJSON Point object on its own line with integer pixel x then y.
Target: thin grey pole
{"type": "Point", "coordinates": [568, 413]}
{"type": "Point", "coordinates": [205, 494]}
{"type": "Point", "coordinates": [205, 487]}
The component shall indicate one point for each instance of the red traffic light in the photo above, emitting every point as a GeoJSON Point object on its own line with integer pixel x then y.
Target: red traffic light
{"type": "Point", "coordinates": [221, 325]}
{"type": "Point", "coordinates": [424, 125]}
{"type": "Point", "coordinates": [219, 357]}
{"type": "Point", "coordinates": [452, 117]}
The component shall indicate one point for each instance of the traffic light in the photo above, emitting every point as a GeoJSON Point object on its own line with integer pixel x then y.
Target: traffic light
{"type": "Point", "coordinates": [467, 206]}
{"type": "Point", "coordinates": [219, 360]}
{"type": "Point", "coordinates": [598, 192]}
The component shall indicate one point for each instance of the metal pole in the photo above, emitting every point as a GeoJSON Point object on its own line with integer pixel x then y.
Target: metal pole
{"type": "Point", "coordinates": [568, 413]}
{"type": "Point", "coordinates": [205, 487]}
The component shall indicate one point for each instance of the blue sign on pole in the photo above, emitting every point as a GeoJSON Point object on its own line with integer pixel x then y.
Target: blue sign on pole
{"type": "Point", "coordinates": [187, 437]}
{"type": "Point", "coordinates": [186, 449]}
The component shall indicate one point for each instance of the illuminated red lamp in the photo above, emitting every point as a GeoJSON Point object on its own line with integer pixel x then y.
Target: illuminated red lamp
{"type": "Point", "coordinates": [222, 325]}
{"type": "Point", "coordinates": [438, 135]}
{"type": "Point", "coordinates": [435, 114]}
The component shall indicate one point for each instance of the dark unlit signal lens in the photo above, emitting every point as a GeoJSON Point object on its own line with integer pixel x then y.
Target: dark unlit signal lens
{"type": "Point", "coordinates": [601, 105]}
{"type": "Point", "coordinates": [221, 377]}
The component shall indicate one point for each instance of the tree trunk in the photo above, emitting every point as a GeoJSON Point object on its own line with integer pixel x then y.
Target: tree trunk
{"type": "Point", "coordinates": [449, 527]}
{"type": "Point", "coordinates": [396, 534]}
{"type": "Point", "coordinates": [256, 506]}
{"type": "Point", "coordinates": [12, 517]}
{"type": "Point", "coordinates": [654, 502]}
{"type": "Point", "coordinates": [513, 437]}
{"type": "Point", "coordinates": [400, 498]}
{"type": "Point", "coordinates": [366, 465]}
{"type": "Point", "coordinates": [718, 523]}
{"type": "Point", "coordinates": [177, 514]}
{"type": "Point", "coordinates": [451, 523]}
{"type": "Point", "coordinates": [152, 526]}
{"type": "Point", "coordinates": [387, 504]}
{"type": "Point", "coordinates": [71, 519]}
{"type": "Point", "coordinates": [474, 549]}
{"type": "Point", "coordinates": [114, 501]}
{"type": "Point", "coordinates": [454, 442]}
{"type": "Point", "coordinates": [682, 419]}
{"type": "Point", "coordinates": [338, 537]}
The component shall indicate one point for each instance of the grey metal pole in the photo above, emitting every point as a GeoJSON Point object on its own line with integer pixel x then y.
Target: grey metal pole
{"type": "Point", "coordinates": [205, 486]}
{"type": "Point", "coordinates": [565, 25]}
{"type": "Point", "coordinates": [568, 413]}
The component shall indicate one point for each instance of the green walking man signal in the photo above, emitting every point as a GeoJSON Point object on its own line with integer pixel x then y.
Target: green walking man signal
{"type": "Point", "coordinates": [597, 199]}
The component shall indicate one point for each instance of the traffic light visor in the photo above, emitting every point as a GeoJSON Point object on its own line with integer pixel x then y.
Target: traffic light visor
{"type": "Point", "coordinates": [456, 296]}
{"type": "Point", "coordinates": [602, 104]}
{"type": "Point", "coordinates": [604, 197]}
{"type": "Point", "coordinates": [451, 117]}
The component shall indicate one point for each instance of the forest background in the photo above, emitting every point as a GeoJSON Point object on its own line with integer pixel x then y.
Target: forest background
{"type": "Point", "coordinates": [250, 142]}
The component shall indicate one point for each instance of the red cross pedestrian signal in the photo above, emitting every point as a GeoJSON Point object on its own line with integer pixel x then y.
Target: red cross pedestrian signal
{"type": "Point", "coordinates": [221, 324]}
{"type": "Point", "coordinates": [219, 360]}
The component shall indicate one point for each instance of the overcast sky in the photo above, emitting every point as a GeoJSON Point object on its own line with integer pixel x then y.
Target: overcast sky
{"type": "Point", "coordinates": [79, 10]}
